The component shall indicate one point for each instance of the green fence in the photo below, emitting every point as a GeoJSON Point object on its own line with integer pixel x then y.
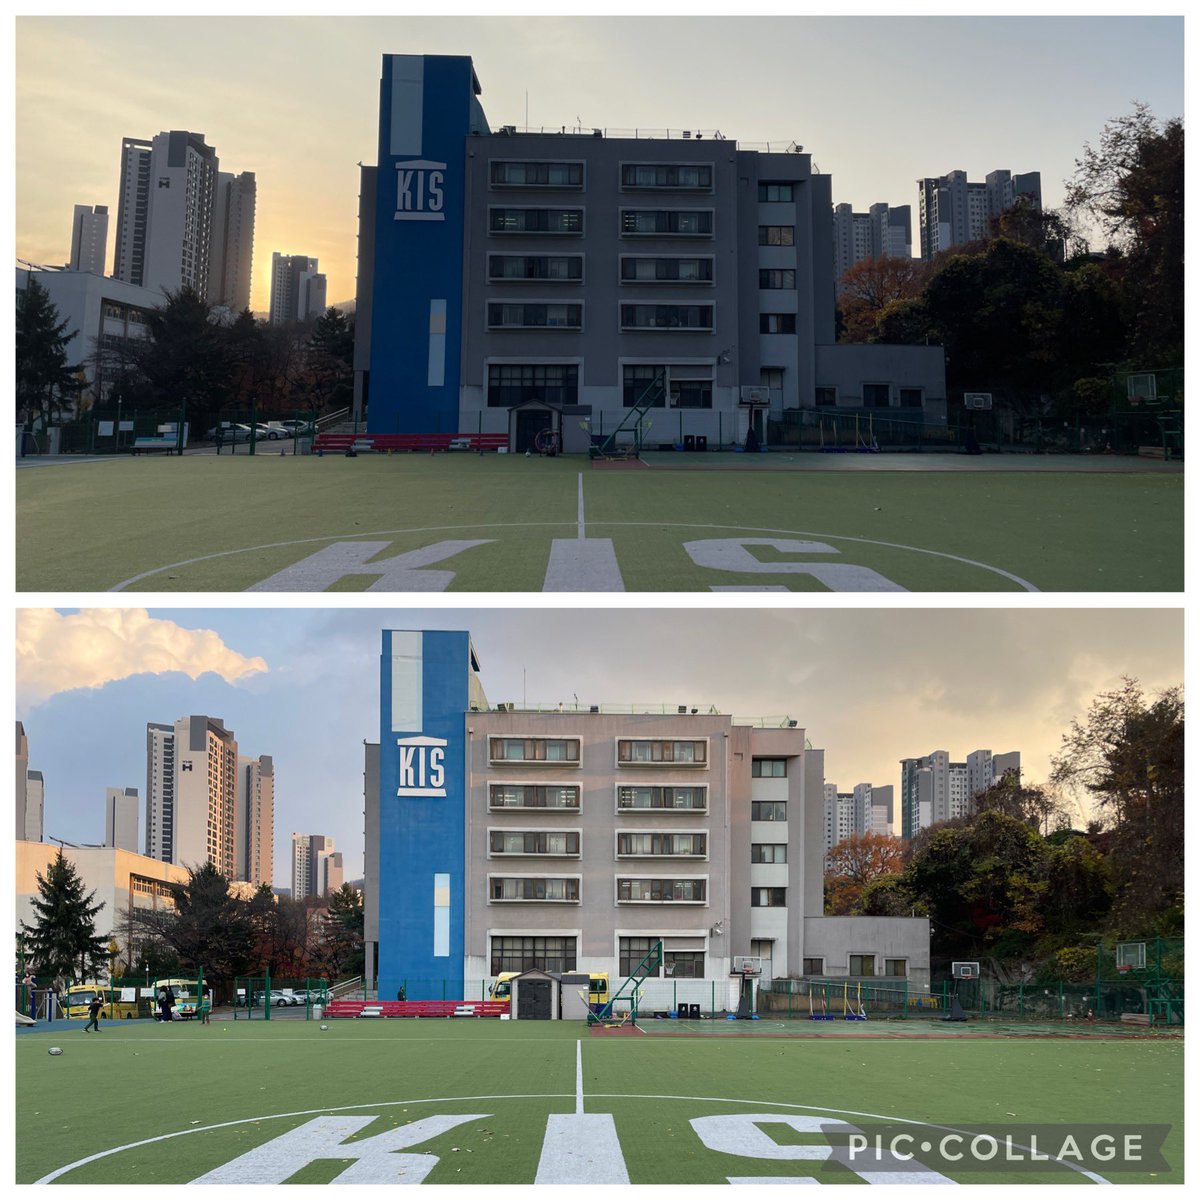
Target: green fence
{"type": "Point", "coordinates": [865, 430]}
{"type": "Point", "coordinates": [113, 431]}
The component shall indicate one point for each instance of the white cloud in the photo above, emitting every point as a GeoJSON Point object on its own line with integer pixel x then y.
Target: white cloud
{"type": "Point", "coordinates": [58, 653]}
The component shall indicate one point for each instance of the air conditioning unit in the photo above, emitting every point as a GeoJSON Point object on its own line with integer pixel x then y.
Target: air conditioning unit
{"type": "Point", "coordinates": [755, 394]}
{"type": "Point", "coordinates": [977, 400]}
{"type": "Point", "coordinates": [507, 706]}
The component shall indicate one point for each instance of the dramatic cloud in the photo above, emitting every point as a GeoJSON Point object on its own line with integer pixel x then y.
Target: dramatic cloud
{"type": "Point", "coordinates": [57, 653]}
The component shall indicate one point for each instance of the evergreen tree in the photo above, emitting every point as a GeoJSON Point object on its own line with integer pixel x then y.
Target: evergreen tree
{"type": "Point", "coordinates": [342, 943]}
{"type": "Point", "coordinates": [331, 360]}
{"type": "Point", "coordinates": [62, 941]}
{"type": "Point", "coordinates": [45, 381]}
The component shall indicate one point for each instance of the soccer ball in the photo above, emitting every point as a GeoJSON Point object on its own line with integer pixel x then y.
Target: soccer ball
{"type": "Point", "coordinates": [54, 1050]}
{"type": "Point", "coordinates": [324, 1026]}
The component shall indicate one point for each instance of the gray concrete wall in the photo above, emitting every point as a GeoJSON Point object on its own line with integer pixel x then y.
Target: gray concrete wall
{"type": "Point", "coordinates": [835, 938]}
{"type": "Point", "coordinates": [848, 367]}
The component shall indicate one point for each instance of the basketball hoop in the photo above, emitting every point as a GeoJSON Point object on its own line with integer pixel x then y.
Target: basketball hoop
{"type": "Point", "coordinates": [1123, 968]}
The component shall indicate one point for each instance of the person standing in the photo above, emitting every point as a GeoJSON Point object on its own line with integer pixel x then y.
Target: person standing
{"type": "Point", "coordinates": [94, 1006]}
{"type": "Point", "coordinates": [164, 1011]}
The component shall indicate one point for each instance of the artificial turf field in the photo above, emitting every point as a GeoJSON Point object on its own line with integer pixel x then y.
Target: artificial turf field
{"type": "Point", "coordinates": [519, 1102]}
{"type": "Point", "coordinates": [464, 522]}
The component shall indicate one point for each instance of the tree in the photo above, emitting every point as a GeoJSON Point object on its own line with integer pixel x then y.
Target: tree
{"type": "Point", "coordinates": [984, 882]}
{"type": "Point", "coordinates": [1044, 229]}
{"type": "Point", "coordinates": [331, 360]}
{"type": "Point", "coordinates": [341, 949]}
{"type": "Point", "coordinates": [996, 312]}
{"type": "Point", "coordinates": [1033, 806]}
{"type": "Point", "coordinates": [870, 285]}
{"type": "Point", "coordinates": [1132, 186]}
{"type": "Point", "coordinates": [184, 361]}
{"type": "Point", "coordinates": [44, 380]}
{"type": "Point", "coordinates": [62, 942]}
{"type": "Point", "coordinates": [855, 862]}
{"type": "Point", "coordinates": [208, 928]}
{"type": "Point", "coordinates": [1127, 756]}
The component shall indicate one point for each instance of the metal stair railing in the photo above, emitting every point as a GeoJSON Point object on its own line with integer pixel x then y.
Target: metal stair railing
{"type": "Point", "coordinates": [653, 396]}
{"type": "Point", "coordinates": [637, 976]}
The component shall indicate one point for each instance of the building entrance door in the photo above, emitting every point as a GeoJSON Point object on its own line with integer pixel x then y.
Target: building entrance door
{"type": "Point", "coordinates": [531, 422]}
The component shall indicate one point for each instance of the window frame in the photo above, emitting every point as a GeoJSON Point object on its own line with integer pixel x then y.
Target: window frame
{"type": "Point", "coordinates": [698, 189]}
{"type": "Point", "coordinates": [574, 763]}
{"type": "Point", "coordinates": [774, 860]}
{"type": "Point", "coordinates": [550, 280]}
{"type": "Point", "coordinates": [661, 788]}
{"type": "Point", "coordinates": [710, 259]}
{"type": "Point", "coordinates": [528, 877]}
{"type": "Point", "coordinates": [708, 235]}
{"type": "Point", "coordinates": [686, 764]}
{"type": "Point", "coordinates": [623, 856]}
{"type": "Point", "coordinates": [871, 403]}
{"type": "Point", "coordinates": [757, 805]}
{"type": "Point", "coordinates": [533, 302]}
{"type": "Point", "coordinates": [764, 238]}
{"type": "Point", "coordinates": [662, 879]}
{"type": "Point", "coordinates": [775, 894]}
{"type": "Point", "coordinates": [504, 233]}
{"type": "Point", "coordinates": [508, 831]}
{"type": "Point", "coordinates": [494, 185]}
{"type": "Point", "coordinates": [545, 808]}
{"type": "Point", "coordinates": [850, 959]}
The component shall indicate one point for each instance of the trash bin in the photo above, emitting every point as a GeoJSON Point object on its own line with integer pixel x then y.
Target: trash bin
{"type": "Point", "coordinates": [701, 441]}
{"type": "Point", "coordinates": [317, 1011]}
{"type": "Point", "coordinates": [689, 441]}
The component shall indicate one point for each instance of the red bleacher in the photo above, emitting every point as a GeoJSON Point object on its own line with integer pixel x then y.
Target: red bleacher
{"type": "Point", "coordinates": [340, 442]}
{"type": "Point", "coordinates": [417, 1008]}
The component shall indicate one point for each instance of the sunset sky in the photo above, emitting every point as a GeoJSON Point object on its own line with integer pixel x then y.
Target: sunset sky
{"type": "Point", "coordinates": [879, 101]}
{"type": "Point", "coordinates": [869, 686]}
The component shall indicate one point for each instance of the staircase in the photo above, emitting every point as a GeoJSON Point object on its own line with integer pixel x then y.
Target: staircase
{"type": "Point", "coordinates": [647, 967]}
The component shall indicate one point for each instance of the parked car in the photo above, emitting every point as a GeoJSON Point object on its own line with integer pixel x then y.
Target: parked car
{"type": "Point", "coordinates": [278, 429]}
{"type": "Point", "coordinates": [281, 999]}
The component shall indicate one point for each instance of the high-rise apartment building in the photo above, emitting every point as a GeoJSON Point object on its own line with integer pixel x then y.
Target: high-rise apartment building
{"type": "Point", "coordinates": [30, 794]}
{"type": "Point", "coordinates": [254, 832]}
{"type": "Point", "coordinates": [866, 809]}
{"type": "Point", "coordinates": [121, 818]}
{"type": "Point", "coordinates": [89, 238]}
{"type": "Point", "coordinates": [229, 269]}
{"type": "Point", "coordinates": [882, 232]}
{"type": "Point", "coordinates": [933, 789]}
{"type": "Point", "coordinates": [191, 793]}
{"type": "Point", "coordinates": [953, 210]}
{"type": "Point", "coordinates": [316, 866]}
{"type": "Point", "coordinates": [165, 213]}
{"type": "Point", "coordinates": [297, 288]}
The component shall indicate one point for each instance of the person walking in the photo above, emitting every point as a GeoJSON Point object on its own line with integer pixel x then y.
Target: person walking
{"type": "Point", "coordinates": [94, 1006]}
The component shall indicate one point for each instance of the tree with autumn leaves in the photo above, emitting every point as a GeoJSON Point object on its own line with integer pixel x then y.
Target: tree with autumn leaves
{"type": "Point", "coordinates": [855, 863]}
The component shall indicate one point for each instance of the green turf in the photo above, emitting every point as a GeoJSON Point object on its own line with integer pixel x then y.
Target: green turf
{"type": "Point", "coordinates": [92, 527]}
{"type": "Point", "coordinates": [138, 1081]}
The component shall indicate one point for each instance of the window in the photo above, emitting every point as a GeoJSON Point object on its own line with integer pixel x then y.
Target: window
{"type": "Point", "coordinates": [814, 966]}
{"type": "Point", "coordinates": [826, 397]}
{"type": "Point", "coordinates": [911, 397]}
{"type": "Point", "coordinates": [769, 193]}
{"type": "Point", "coordinates": [534, 795]}
{"type": "Point", "coordinates": [694, 177]}
{"type": "Point", "coordinates": [684, 799]}
{"type": "Point", "coordinates": [537, 888]}
{"type": "Point", "coordinates": [537, 174]}
{"type": "Point", "coordinates": [514, 383]}
{"type": "Point", "coordinates": [666, 222]}
{"type": "Point", "coordinates": [768, 897]}
{"type": "Point", "coordinates": [896, 967]}
{"type": "Point", "coordinates": [768, 768]}
{"type": "Point", "coordinates": [768, 852]}
{"type": "Point", "coordinates": [662, 891]}
{"type": "Point", "coordinates": [772, 279]}
{"type": "Point", "coordinates": [632, 752]}
{"type": "Point", "coordinates": [768, 810]}
{"type": "Point", "coordinates": [776, 322]}
{"type": "Point", "coordinates": [667, 316]}
{"type": "Point", "coordinates": [662, 845]}
{"type": "Point", "coordinates": [876, 395]}
{"type": "Point", "coordinates": [683, 964]}
{"type": "Point", "coordinates": [555, 268]}
{"type": "Point", "coordinates": [776, 235]}
{"type": "Point", "coordinates": [509, 749]}
{"type": "Point", "coordinates": [642, 383]}
{"type": "Point", "coordinates": [862, 964]}
{"type": "Point", "coordinates": [532, 953]}
{"type": "Point", "coordinates": [502, 315]}
{"type": "Point", "coordinates": [666, 270]}
{"type": "Point", "coordinates": [633, 951]}
{"type": "Point", "coordinates": [549, 843]}
{"type": "Point", "coordinates": [536, 220]}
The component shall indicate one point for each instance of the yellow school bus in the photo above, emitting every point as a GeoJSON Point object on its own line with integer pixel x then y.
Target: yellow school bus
{"type": "Point", "coordinates": [184, 991]}
{"type": "Point", "coordinates": [597, 986]}
{"type": "Point", "coordinates": [116, 1005]}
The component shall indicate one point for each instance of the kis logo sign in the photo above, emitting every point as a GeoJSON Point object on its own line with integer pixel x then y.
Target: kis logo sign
{"type": "Point", "coordinates": [419, 190]}
{"type": "Point", "coordinates": [421, 767]}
